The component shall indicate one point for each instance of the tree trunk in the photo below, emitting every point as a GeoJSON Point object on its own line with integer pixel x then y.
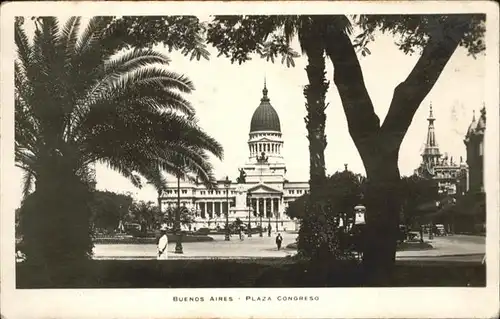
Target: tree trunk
{"type": "Point", "coordinates": [55, 222]}
{"type": "Point", "coordinates": [313, 236]}
{"type": "Point", "coordinates": [178, 243]}
{"type": "Point", "coordinates": [315, 120]}
{"type": "Point", "coordinates": [383, 209]}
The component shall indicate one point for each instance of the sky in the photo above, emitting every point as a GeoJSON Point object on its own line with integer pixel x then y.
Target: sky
{"type": "Point", "coordinates": [226, 95]}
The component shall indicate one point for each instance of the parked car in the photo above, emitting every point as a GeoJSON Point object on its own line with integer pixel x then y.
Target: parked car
{"type": "Point", "coordinates": [439, 230]}
{"type": "Point", "coordinates": [403, 233]}
{"type": "Point", "coordinates": [202, 231]}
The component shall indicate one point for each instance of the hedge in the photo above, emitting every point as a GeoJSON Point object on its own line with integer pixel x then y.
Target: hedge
{"type": "Point", "coordinates": [263, 272]}
{"type": "Point", "coordinates": [151, 240]}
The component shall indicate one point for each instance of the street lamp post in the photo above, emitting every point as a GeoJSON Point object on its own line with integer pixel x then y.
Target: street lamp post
{"type": "Point", "coordinates": [260, 233]}
{"type": "Point", "coordinates": [268, 224]}
{"type": "Point", "coordinates": [249, 224]}
{"type": "Point", "coordinates": [177, 224]}
{"type": "Point", "coordinates": [227, 183]}
{"type": "Point", "coordinates": [431, 225]}
{"type": "Point", "coordinates": [276, 213]}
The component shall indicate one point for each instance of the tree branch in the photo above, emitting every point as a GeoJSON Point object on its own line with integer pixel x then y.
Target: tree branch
{"type": "Point", "coordinates": [348, 77]}
{"type": "Point", "coordinates": [409, 94]}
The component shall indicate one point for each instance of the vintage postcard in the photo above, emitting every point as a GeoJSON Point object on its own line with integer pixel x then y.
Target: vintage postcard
{"type": "Point", "coordinates": [250, 159]}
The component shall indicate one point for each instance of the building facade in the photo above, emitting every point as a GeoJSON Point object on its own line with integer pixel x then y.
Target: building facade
{"type": "Point", "coordinates": [451, 177]}
{"type": "Point", "coordinates": [474, 142]}
{"type": "Point", "coordinates": [261, 192]}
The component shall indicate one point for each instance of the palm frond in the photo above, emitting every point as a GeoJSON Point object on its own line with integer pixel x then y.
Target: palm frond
{"type": "Point", "coordinates": [154, 75]}
{"type": "Point", "coordinates": [134, 59]}
{"type": "Point", "coordinates": [24, 49]}
{"type": "Point", "coordinates": [28, 180]}
{"type": "Point", "coordinates": [156, 178]}
{"type": "Point", "coordinates": [69, 37]}
{"type": "Point", "coordinates": [92, 34]}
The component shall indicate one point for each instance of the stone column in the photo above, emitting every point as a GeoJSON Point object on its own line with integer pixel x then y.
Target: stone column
{"type": "Point", "coordinates": [279, 204]}
{"type": "Point", "coordinates": [265, 200]}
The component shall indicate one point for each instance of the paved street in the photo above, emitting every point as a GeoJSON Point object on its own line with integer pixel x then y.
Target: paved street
{"type": "Point", "coordinates": [457, 248]}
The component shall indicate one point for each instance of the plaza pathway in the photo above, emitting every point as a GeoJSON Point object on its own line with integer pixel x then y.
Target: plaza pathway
{"type": "Point", "coordinates": [254, 246]}
{"type": "Point", "coordinates": [454, 247]}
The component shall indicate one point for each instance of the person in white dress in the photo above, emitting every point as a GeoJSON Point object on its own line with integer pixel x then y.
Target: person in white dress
{"type": "Point", "coordinates": [163, 244]}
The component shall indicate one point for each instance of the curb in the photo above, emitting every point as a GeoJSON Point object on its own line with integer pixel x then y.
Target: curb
{"type": "Point", "coordinates": [175, 257]}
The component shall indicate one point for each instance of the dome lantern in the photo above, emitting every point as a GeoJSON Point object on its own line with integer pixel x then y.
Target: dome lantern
{"type": "Point", "coordinates": [265, 117]}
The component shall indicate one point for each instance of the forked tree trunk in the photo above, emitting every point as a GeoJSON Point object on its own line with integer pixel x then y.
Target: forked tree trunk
{"type": "Point", "coordinates": [383, 202]}
{"type": "Point", "coordinates": [378, 144]}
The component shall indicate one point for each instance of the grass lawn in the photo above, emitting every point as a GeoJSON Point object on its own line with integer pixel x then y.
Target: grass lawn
{"type": "Point", "coordinates": [241, 273]}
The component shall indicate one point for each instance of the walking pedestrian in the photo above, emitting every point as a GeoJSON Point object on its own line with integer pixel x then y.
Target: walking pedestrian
{"type": "Point", "coordinates": [279, 239]}
{"type": "Point", "coordinates": [163, 244]}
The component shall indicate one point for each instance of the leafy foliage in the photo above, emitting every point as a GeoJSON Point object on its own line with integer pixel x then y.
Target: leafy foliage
{"type": "Point", "coordinates": [413, 31]}
{"type": "Point", "coordinates": [109, 208]}
{"type": "Point", "coordinates": [319, 235]}
{"type": "Point", "coordinates": [184, 33]}
{"type": "Point", "coordinates": [417, 192]}
{"type": "Point", "coordinates": [147, 214]}
{"type": "Point", "coordinates": [296, 209]}
{"type": "Point", "coordinates": [343, 191]}
{"type": "Point", "coordinates": [187, 216]}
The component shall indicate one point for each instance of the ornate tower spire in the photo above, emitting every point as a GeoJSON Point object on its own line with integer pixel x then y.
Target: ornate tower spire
{"type": "Point", "coordinates": [431, 151]}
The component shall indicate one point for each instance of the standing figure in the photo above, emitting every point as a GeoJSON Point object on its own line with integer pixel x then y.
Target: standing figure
{"type": "Point", "coordinates": [269, 231]}
{"type": "Point", "coordinates": [279, 239]}
{"type": "Point", "coordinates": [163, 244]}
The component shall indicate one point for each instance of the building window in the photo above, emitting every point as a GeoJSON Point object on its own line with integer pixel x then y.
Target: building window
{"type": "Point", "coordinates": [184, 191]}
{"type": "Point", "coordinates": [169, 191]}
{"type": "Point", "coordinates": [217, 192]}
{"type": "Point", "coordinates": [211, 192]}
{"type": "Point", "coordinates": [202, 192]}
{"type": "Point", "coordinates": [291, 191]}
{"type": "Point", "coordinates": [175, 192]}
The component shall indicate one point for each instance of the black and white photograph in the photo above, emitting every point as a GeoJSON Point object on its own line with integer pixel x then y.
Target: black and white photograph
{"type": "Point", "coordinates": [160, 148]}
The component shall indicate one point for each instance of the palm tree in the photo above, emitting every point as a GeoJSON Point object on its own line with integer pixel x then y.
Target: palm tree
{"type": "Point", "coordinates": [81, 99]}
{"type": "Point", "coordinates": [185, 169]}
{"type": "Point", "coordinates": [311, 31]}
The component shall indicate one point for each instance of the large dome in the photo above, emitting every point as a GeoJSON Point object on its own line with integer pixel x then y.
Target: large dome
{"type": "Point", "coordinates": [265, 117]}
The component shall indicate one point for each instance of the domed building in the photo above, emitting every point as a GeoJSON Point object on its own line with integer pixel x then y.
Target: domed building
{"type": "Point", "coordinates": [259, 195]}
